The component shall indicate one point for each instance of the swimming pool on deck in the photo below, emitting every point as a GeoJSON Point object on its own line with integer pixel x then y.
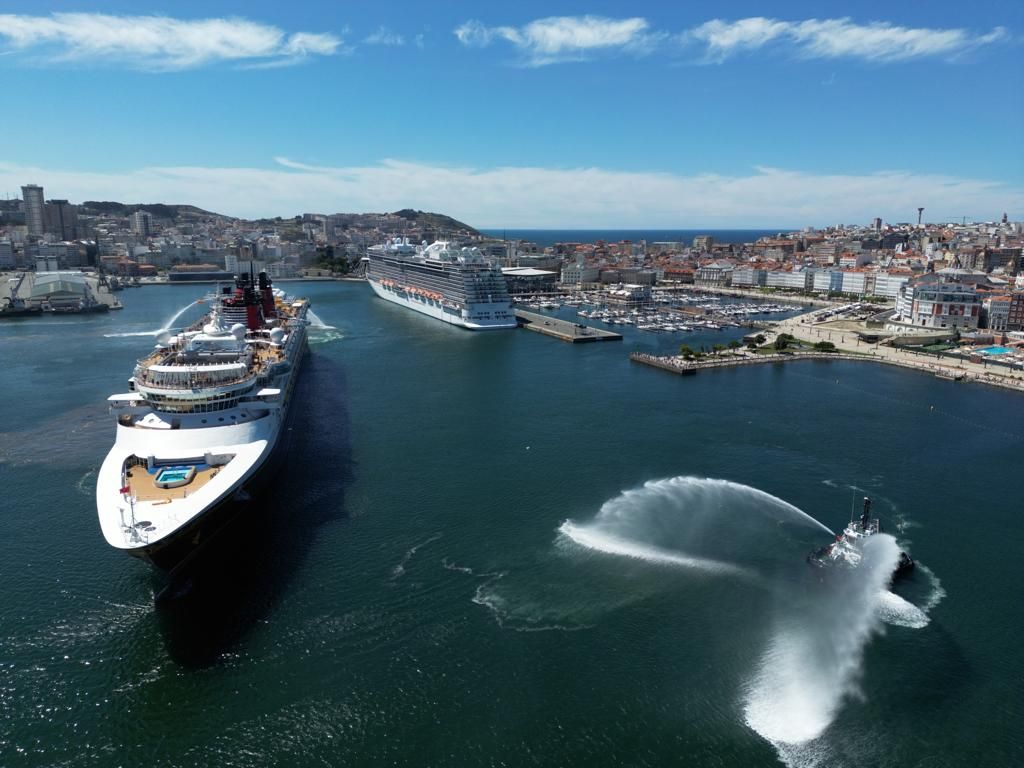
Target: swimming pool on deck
{"type": "Point", "coordinates": [175, 477]}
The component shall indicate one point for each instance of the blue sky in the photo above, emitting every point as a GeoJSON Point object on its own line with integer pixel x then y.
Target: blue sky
{"type": "Point", "coordinates": [527, 114]}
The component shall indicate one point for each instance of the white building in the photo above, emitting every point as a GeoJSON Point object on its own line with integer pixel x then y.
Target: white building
{"type": "Point", "coordinates": [630, 292]}
{"type": "Point", "coordinates": [68, 255]}
{"type": "Point", "coordinates": [749, 277]}
{"type": "Point", "coordinates": [828, 281]}
{"type": "Point", "coordinates": [996, 311]}
{"type": "Point", "coordinates": [852, 260]}
{"type": "Point", "coordinates": [797, 280]}
{"type": "Point", "coordinates": [577, 274]}
{"type": "Point", "coordinates": [142, 223]}
{"type": "Point", "coordinates": [938, 303]}
{"type": "Point", "coordinates": [854, 283]}
{"type": "Point", "coordinates": [888, 286]}
{"type": "Point", "coordinates": [238, 266]}
{"type": "Point", "coordinates": [279, 269]}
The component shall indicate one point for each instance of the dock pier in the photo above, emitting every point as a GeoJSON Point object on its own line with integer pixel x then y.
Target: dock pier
{"type": "Point", "coordinates": [563, 330]}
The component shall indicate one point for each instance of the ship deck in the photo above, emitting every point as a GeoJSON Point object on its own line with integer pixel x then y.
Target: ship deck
{"type": "Point", "coordinates": [144, 488]}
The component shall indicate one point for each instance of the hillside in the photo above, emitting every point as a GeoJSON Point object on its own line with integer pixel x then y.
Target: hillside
{"type": "Point", "coordinates": [424, 219]}
{"type": "Point", "coordinates": [435, 220]}
{"type": "Point", "coordinates": [157, 210]}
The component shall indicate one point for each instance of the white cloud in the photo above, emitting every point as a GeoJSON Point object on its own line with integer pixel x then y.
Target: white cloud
{"type": "Point", "coordinates": [384, 36]}
{"type": "Point", "coordinates": [836, 38]}
{"type": "Point", "coordinates": [562, 38]}
{"type": "Point", "coordinates": [158, 42]}
{"type": "Point", "coordinates": [539, 197]}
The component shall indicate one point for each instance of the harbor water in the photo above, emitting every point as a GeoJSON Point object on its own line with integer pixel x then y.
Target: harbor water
{"type": "Point", "coordinates": [498, 549]}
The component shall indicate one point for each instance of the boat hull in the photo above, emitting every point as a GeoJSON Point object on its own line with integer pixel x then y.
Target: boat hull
{"type": "Point", "coordinates": [174, 553]}
{"type": "Point", "coordinates": [177, 551]}
{"type": "Point", "coordinates": [436, 309]}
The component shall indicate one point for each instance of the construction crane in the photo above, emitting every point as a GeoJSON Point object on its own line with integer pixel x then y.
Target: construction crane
{"type": "Point", "coordinates": [14, 300]}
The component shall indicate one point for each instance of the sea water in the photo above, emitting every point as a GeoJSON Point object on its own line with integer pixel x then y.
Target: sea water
{"type": "Point", "coordinates": [501, 549]}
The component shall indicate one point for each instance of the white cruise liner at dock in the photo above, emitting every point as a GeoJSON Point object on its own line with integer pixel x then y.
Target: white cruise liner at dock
{"type": "Point", "coordinates": [455, 285]}
{"type": "Point", "coordinates": [197, 433]}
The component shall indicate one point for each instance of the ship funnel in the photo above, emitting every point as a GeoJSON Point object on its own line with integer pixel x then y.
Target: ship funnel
{"type": "Point", "coordinates": [865, 517]}
{"type": "Point", "coordinates": [267, 296]}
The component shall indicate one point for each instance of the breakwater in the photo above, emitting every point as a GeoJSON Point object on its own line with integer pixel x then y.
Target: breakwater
{"type": "Point", "coordinates": [683, 367]}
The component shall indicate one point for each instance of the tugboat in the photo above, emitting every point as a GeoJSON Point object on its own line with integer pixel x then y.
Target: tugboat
{"type": "Point", "coordinates": [846, 551]}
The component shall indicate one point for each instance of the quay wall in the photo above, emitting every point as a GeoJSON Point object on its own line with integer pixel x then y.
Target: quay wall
{"type": "Point", "coordinates": [682, 367]}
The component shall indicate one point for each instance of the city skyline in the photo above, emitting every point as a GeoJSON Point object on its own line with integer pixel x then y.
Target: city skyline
{"type": "Point", "coordinates": [574, 116]}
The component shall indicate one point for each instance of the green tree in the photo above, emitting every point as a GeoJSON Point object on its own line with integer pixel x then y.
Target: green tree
{"type": "Point", "coordinates": [718, 348]}
{"type": "Point", "coordinates": [825, 346]}
{"type": "Point", "coordinates": [734, 344]}
{"type": "Point", "coordinates": [686, 351]}
{"type": "Point", "coordinates": [781, 342]}
{"type": "Point", "coordinates": [760, 339]}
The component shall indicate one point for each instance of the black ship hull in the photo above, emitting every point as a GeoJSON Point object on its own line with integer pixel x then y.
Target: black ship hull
{"type": "Point", "coordinates": [176, 553]}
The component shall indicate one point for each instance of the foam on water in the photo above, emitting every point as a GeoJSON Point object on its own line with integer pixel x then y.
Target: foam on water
{"type": "Point", "coordinates": [937, 593]}
{"type": "Point", "coordinates": [893, 609]}
{"type": "Point", "coordinates": [316, 322]}
{"type": "Point", "coordinates": [399, 570]}
{"type": "Point", "coordinates": [814, 657]}
{"type": "Point", "coordinates": [522, 617]}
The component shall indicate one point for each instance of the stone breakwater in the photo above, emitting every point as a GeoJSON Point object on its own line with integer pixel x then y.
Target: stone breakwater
{"type": "Point", "coordinates": [682, 366]}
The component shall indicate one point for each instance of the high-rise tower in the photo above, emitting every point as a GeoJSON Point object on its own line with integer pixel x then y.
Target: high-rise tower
{"type": "Point", "coordinates": [32, 195]}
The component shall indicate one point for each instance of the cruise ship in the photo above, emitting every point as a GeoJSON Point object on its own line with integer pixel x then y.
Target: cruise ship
{"type": "Point", "coordinates": [198, 428]}
{"type": "Point", "coordinates": [455, 285]}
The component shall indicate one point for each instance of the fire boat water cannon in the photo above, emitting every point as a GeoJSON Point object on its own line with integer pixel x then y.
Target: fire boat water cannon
{"type": "Point", "coordinates": [847, 549]}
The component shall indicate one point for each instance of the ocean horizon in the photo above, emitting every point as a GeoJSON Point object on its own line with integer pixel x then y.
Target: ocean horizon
{"type": "Point", "coordinates": [546, 237]}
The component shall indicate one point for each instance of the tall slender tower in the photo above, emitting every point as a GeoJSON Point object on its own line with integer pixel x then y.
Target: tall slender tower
{"type": "Point", "coordinates": [32, 195]}
{"type": "Point", "coordinates": [919, 212]}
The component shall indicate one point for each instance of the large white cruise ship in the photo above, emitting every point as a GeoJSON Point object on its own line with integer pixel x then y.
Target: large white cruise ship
{"type": "Point", "coordinates": [197, 433]}
{"type": "Point", "coordinates": [454, 285]}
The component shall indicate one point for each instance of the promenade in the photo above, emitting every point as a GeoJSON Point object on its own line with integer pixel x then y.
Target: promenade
{"type": "Point", "coordinates": [846, 340]}
{"type": "Point", "coordinates": [848, 347]}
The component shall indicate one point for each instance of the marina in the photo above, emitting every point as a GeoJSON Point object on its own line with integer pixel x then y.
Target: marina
{"type": "Point", "coordinates": [662, 312]}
